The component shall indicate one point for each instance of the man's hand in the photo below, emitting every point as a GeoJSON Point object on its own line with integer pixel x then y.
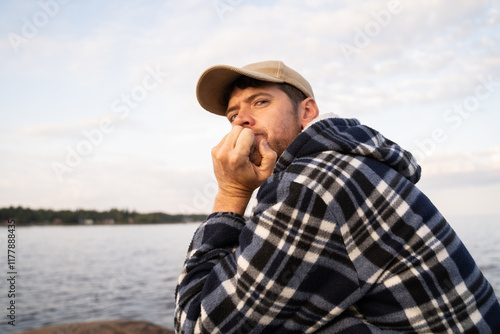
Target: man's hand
{"type": "Point", "coordinates": [236, 173]}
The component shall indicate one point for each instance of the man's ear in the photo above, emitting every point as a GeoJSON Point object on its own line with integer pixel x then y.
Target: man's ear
{"type": "Point", "coordinates": [308, 110]}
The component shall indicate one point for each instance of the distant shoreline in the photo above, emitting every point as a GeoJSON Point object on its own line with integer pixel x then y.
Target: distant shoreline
{"type": "Point", "coordinates": [48, 217]}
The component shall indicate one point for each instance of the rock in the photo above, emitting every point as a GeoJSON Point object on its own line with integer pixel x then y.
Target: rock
{"type": "Point", "coordinates": [104, 327]}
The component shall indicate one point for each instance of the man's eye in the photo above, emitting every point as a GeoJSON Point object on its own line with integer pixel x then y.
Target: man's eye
{"type": "Point", "coordinates": [261, 102]}
{"type": "Point", "coordinates": [232, 117]}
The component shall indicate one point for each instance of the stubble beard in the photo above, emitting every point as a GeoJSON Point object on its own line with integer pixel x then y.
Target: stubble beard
{"type": "Point", "coordinates": [277, 145]}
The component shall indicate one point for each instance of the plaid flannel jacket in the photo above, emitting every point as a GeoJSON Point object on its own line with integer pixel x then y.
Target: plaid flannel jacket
{"type": "Point", "coordinates": [340, 241]}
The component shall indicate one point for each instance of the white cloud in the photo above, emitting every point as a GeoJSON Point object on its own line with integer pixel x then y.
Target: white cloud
{"type": "Point", "coordinates": [465, 168]}
{"type": "Point", "coordinates": [58, 131]}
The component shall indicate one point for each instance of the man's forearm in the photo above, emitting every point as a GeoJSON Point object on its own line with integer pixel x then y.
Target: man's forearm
{"type": "Point", "coordinates": [213, 244]}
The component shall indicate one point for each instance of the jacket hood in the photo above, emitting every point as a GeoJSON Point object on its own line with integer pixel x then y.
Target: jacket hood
{"type": "Point", "coordinates": [348, 136]}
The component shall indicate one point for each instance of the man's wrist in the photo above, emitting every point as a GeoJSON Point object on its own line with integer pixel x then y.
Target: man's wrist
{"type": "Point", "coordinates": [229, 203]}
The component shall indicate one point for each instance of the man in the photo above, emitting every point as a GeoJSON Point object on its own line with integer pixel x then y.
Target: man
{"type": "Point", "coordinates": [340, 240]}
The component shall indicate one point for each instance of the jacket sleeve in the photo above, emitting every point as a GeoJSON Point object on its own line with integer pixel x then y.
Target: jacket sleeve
{"type": "Point", "coordinates": [271, 272]}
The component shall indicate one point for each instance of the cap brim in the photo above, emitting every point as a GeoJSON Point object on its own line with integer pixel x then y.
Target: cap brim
{"type": "Point", "coordinates": [216, 79]}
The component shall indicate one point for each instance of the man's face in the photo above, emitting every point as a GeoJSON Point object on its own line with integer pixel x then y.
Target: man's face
{"type": "Point", "coordinates": [269, 113]}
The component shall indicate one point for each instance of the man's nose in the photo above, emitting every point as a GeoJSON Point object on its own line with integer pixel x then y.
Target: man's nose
{"type": "Point", "coordinates": [244, 118]}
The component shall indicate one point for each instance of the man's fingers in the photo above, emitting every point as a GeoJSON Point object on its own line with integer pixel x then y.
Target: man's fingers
{"type": "Point", "coordinates": [228, 141]}
{"type": "Point", "coordinates": [235, 147]}
{"type": "Point", "coordinates": [232, 137]}
{"type": "Point", "coordinates": [236, 167]}
{"type": "Point", "coordinates": [269, 157]}
{"type": "Point", "coordinates": [244, 142]}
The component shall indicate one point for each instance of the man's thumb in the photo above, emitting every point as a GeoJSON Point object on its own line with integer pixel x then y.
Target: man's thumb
{"type": "Point", "coordinates": [269, 156]}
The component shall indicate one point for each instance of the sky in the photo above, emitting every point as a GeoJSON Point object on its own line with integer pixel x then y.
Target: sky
{"type": "Point", "coordinates": [98, 105]}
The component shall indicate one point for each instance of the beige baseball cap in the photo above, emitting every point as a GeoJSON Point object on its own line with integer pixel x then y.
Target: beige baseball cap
{"type": "Point", "coordinates": [216, 79]}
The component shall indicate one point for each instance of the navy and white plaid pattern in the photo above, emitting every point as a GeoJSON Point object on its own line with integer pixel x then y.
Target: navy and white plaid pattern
{"type": "Point", "coordinates": [340, 241]}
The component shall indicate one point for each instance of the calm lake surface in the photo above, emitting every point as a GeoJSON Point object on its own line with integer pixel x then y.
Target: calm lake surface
{"type": "Point", "coordinates": [85, 273]}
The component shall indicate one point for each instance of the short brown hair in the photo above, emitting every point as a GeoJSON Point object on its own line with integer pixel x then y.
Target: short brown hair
{"type": "Point", "coordinates": [295, 95]}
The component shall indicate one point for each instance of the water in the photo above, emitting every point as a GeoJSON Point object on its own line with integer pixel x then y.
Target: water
{"type": "Point", "coordinates": [84, 273]}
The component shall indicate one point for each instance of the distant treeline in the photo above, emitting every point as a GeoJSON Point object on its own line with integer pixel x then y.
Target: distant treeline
{"type": "Point", "coordinates": [26, 216]}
